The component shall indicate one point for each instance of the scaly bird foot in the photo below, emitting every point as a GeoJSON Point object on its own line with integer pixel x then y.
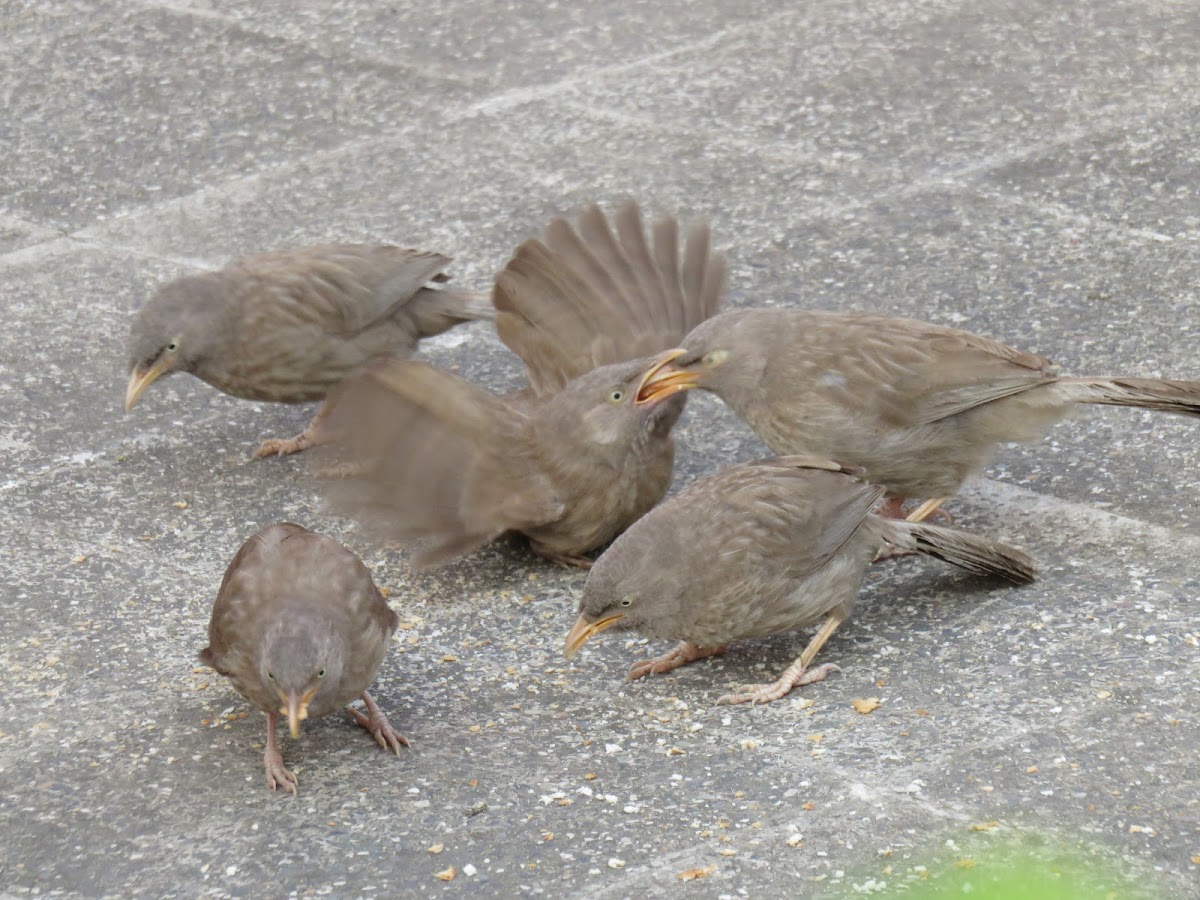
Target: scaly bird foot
{"type": "Point", "coordinates": [569, 560]}
{"type": "Point", "coordinates": [681, 655]}
{"type": "Point", "coordinates": [281, 447]}
{"type": "Point", "coordinates": [765, 693]}
{"type": "Point", "coordinates": [277, 774]}
{"type": "Point", "coordinates": [374, 721]}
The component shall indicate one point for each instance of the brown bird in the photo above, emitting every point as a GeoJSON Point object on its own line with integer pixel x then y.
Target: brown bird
{"type": "Point", "coordinates": [755, 550]}
{"type": "Point", "coordinates": [569, 462]}
{"type": "Point", "coordinates": [918, 406]}
{"type": "Point", "coordinates": [288, 326]}
{"type": "Point", "coordinates": [300, 630]}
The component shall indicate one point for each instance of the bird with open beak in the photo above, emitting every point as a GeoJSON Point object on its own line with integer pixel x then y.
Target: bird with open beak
{"type": "Point", "coordinates": [427, 457]}
{"type": "Point", "coordinates": [300, 630]}
{"type": "Point", "coordinates": [920, 407]}
{"type": "Point", "coordinates": [756, 550]}
{"type": "Point", "coordinates": [286, 327]}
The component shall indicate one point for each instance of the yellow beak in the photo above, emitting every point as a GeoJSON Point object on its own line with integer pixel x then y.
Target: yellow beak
{"type": "Point", "coordinates": [583, 631]}
{"type": "Point", "coordinates": [663, 379]}
{"type": "Point", "coordinates": [140, 379]}
{"type": "Point", "coordinates": [295, 707]}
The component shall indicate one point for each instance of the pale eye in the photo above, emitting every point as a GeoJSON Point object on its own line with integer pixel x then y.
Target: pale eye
{"type": "Point", "coordinates": [172, 347]}
{"type": "Point", "coordinates": [715, 358]}
{"type": "Point", "coordinates": [628, 601]}
{"type": "Point", "coordinates": [616, 396]}
{"type": "Point", "coordinates": [321, 674]}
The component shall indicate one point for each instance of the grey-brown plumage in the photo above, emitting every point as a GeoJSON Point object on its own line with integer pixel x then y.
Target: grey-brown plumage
{"type": "Point", "coordinates": [288, 326]}
{"type": "Point", "coordinates": [571, 461]}
{"type": "Point", "coordinates": [919, 406]}
{"type": "Point", "coordinates": [755, 550]}
{"type": "Point", "coordinates": [300, 630]}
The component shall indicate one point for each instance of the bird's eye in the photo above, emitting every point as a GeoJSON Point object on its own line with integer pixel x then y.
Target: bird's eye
{"type": "Point", "coordinates": [628, 601]}
{"type": "Point", "coordinates": [271, 675]}
{"type": "Point", "coordinates": [321, 674]}
{"type": "Point", "coordinates": [616, 396]}
{"type": "Point", "coordinates": [173, 346]}
{"type": "Point", "coordinates": [715, 358]}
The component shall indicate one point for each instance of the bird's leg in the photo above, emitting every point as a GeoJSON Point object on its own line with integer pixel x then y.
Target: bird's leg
{"type": "Point", "coordinates": [929, 509]}
{"type": "Point", "coordinates": [684, 653]}
{"type": "Point", "coordinates": [277, 774]}
{"type": "Point", "coordinates": [798, 673]}
{"type": "Point", "coordinates": [377, 723]}
{"type": "Point", "coordinates": [570, 560]}
{"type": "Point", "coordinates": [893, 508]}
{"type": "Point", "coordinates": [311, 436]}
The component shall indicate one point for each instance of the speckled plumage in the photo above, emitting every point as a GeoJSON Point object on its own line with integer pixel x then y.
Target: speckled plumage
{"type": "Point", "coordinates": [759, 549]}
{"type": "Point", "coordinates": [288, 326]}
{"type": "Point", "coordinates": [571, 461]}
{"type": "Point", "coordinates": [298, 611]}
{"type": "Point", "coordinates": [919, 406]}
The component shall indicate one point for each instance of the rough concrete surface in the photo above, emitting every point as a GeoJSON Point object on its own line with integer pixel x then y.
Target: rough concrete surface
{"type": "Point", "coordinates": [1024, 169]}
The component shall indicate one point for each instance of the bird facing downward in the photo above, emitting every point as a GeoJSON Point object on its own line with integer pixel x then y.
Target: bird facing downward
{"type": "Point", "coordinates": [299, 629]}
{"type": "Point", "coordinates": [918, 406]}
{"type": "Point", "coordinates": [755, 550]}
{"type": "Point", "coordinates": [288, 326]}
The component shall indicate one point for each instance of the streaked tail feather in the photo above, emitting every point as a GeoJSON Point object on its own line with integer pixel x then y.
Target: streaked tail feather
{"type": "Point", "coordinates": [1181, 397]}
{"type": "Point", "coordinates": [962, 549]}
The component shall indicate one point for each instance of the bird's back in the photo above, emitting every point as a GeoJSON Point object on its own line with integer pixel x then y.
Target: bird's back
{"type": "Point", "coordinates": [303, 319]}
{"type": "Point", "coordinates": [758, 548]}
{"type": "Point", "coordinates": [917, 405]}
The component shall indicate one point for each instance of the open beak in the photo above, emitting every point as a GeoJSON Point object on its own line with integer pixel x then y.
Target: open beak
{"type": "Point", "coordinates": [140, 379]}
{"type": "Point", "coordinates": [663, 379]}
{"type": "Point", "coordinates": [583, 631]}
{"type": "Point", "coordinates": [295, 707]}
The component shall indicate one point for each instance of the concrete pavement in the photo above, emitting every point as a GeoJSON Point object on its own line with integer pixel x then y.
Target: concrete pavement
{"type": "Point", "coordinates": [1026, 170]}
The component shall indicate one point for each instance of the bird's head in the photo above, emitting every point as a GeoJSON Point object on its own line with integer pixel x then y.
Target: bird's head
{"type": "Point", "coordinates": [301, 659]}
{"type": "Point", "coordinates": [724, 354]}
{"type": "Point", "coordinates": [631, 587]}
{"type": "Point", "coordinates": [174, 331]}
{"type": "Point", "coordinates": [599, 407]}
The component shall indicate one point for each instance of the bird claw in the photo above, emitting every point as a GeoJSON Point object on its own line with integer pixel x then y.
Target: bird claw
{"type": "Point", "coordinates": [277, 774]}
{"type": "Point", "coordinates": [650, 667]}
{"type": "Point", "coordinates": [568, 560]}
{"type": "Point", "coordinates": [680, 655]}
{"type": "Point", "coordinates": [281, 447]}
{"type": "Point", "coordinates": [766, 693]}
{"type": "Point", "coordinates": [381, 729]}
